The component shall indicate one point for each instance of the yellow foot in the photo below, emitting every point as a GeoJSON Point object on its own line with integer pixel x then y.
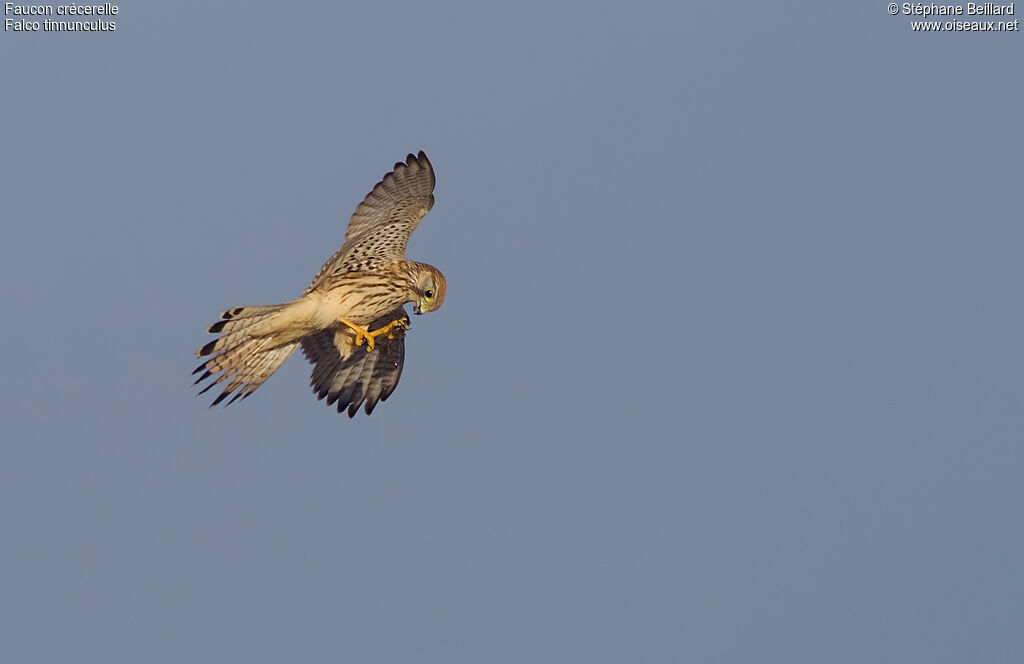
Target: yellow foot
{"type": "Point", "coordinates": [362, 334]}
{"type": "Point", "coordinates": [390, 328]}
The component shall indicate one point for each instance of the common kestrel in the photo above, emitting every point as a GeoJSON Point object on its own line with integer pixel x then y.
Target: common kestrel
{"type": "Point", "coordinates": [351, 321]}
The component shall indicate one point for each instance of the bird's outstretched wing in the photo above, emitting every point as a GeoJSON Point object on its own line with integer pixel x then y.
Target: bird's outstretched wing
{"type": "Point", "coordinates": [347, 374]}
{"type": "Point", "coordinates": [381, 225]}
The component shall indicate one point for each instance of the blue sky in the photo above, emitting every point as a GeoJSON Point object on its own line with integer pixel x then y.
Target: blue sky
{"type": "Point", "coordinates": [729, 367]}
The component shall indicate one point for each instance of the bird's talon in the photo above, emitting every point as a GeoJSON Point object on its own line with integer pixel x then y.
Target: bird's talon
{"type": "Point", "coordinates": [401, 322]}
{"type": "Point", "coordinates": [361, 335]}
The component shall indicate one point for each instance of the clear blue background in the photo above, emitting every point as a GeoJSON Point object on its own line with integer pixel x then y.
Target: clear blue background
{"type": "Point", "coordinates": [730, 367]}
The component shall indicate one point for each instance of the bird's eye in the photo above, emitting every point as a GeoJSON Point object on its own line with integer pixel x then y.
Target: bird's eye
{"type": "Point", "coordinates": [429, 294]}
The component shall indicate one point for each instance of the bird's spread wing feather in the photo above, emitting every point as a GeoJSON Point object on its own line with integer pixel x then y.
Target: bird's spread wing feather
{"type": "Point", "coordinates": [381, 225]}
{"type": "Point", "coordinates": [347, 374]}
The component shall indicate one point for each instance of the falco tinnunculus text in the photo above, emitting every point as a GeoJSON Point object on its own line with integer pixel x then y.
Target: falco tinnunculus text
{"type": "Point", "coordinates": [351, 321]}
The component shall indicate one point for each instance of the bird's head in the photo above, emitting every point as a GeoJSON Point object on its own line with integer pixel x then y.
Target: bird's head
{"type": "Point", "coordinates": [429, 288]}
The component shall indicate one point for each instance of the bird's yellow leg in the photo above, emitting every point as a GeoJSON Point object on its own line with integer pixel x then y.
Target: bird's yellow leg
{"type": "Point", "coordinates": [389, 329]}
{"type": "Point", "coordinates": [362, 334]}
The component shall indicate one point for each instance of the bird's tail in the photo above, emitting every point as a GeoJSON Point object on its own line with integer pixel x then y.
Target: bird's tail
{"type": "Point", "coordinates": [254, 342]}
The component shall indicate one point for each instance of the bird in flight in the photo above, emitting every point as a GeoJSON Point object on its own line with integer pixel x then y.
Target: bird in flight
{"type": "Point", "coordinates": [351, 321]}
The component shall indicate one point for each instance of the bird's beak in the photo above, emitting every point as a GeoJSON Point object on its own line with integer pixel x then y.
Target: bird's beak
{"type": "Point", "coordinates": [416, 309]}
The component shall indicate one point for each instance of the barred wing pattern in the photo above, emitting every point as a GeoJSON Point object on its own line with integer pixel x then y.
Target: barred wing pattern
{"type": "Point", "coordinates": [347, 374]}
{"type": "Point", "coordinates": [379, 229]}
